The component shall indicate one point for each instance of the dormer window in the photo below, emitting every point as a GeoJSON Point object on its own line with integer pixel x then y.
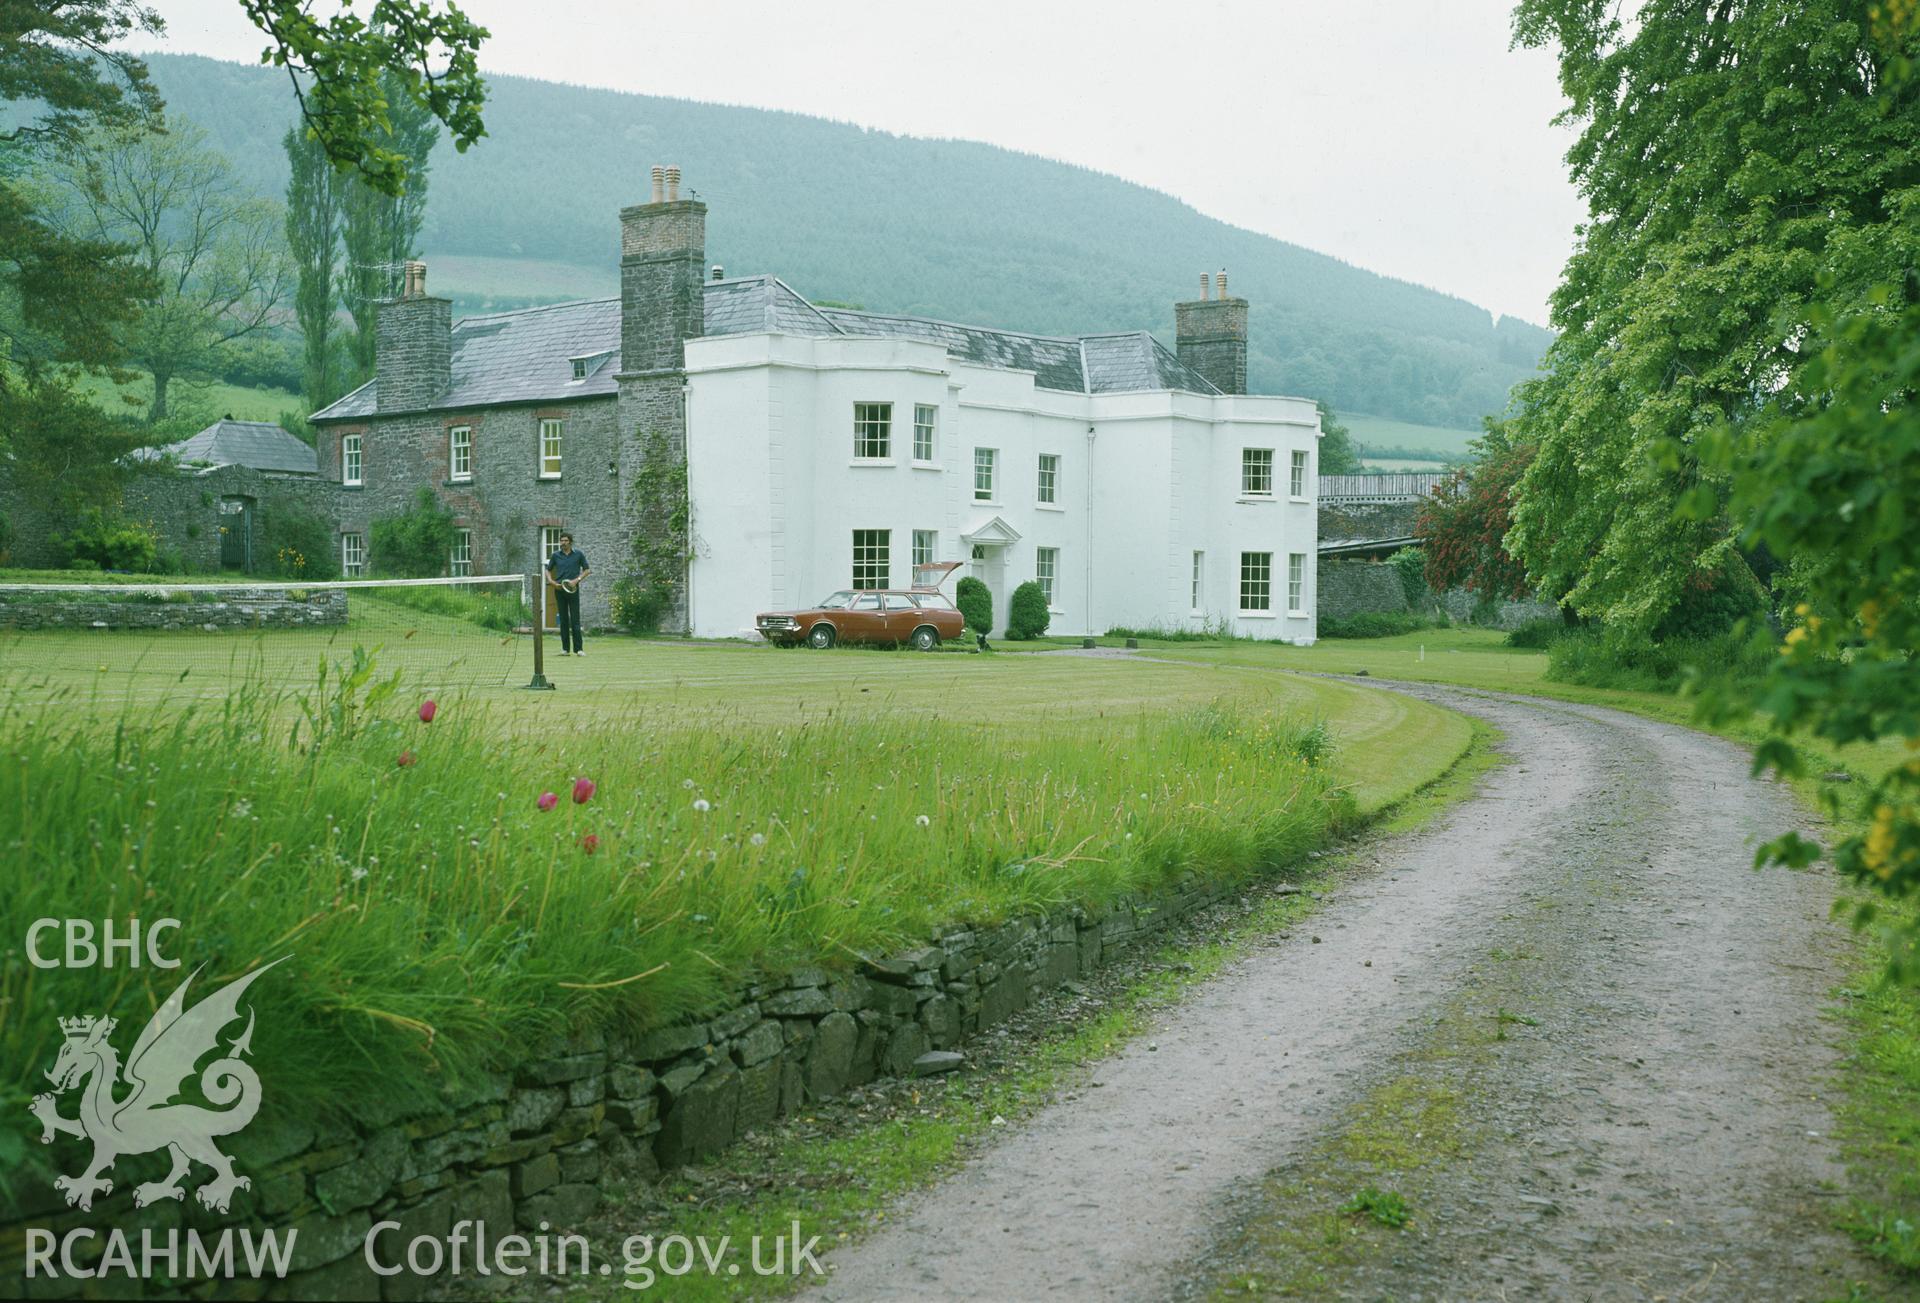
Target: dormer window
{"type": "Point", "coordinates": [587, 363]}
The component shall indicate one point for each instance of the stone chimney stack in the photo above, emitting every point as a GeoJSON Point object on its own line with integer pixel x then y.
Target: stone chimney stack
{"type": "Point", "coordinates": [413, 346]}
{"type": "Point", "coordinates": [663, 257]}
{"type": "Point", "coordinates": [1211, 336]}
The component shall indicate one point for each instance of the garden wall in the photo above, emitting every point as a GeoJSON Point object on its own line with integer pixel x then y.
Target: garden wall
{"type": "Point", "coordinates": [238, 607]}
{"type": "Point", "coordinates": [531, 1145]}
{"type": "Point", "coordinates": [1349, 588]}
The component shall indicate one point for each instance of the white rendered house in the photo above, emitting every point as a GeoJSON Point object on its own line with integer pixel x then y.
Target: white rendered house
{"type": "Point", "coordinates": [835, 449]}
{"type": "Point", "coordinates": [828, 449]}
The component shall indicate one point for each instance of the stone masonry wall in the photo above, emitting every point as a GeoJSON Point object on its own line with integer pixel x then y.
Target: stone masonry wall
{"type": "Point", "coordinates": [237, 608]}
{"type": "Point", "coordinates": [506, 503]}
{"type": "Point", "coordinates": [530, 1145]}
{"type": "Point", "coordinates": [1348, 588]}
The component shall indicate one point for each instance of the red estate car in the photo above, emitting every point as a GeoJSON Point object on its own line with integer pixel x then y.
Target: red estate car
{"type": "Point", "coordinates": [921, 616]}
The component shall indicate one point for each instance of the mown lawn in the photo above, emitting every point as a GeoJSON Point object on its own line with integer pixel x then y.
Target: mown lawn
{"type": "Point", "coordinates": [750, 809]}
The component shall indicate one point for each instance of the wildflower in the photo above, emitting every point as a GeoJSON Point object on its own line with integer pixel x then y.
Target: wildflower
{"type": "Point", "coordinates": [758, 839]}
{"type": "Point", "coordinates": [547, 801]}
{"type": "Point", "coordinates": [687, 783]}
{"type": "Point", "coordinates": [428, 709]}
{"type": "Point", "coordinates": [582, 790]}
{"type": "Point", "coordinates": [590, 843]}
{"type": "Point", "coordinates": [405, 759]}
{"type": "Point", "coordinates": [923, 821]}
{"type": "Point", "coordinates": [703, 805]}
{"type": "Point", "coordinates": [358, 873]}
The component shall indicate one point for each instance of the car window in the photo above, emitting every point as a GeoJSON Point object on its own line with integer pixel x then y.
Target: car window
{"type": "Point", "coordinates": [933, 601]}
{"type": "Point", "coordinates": [899, 602]}
{"type": "Point", "coordinates": [866, 602]}
{"type": "Point", "coordinates": [837, 602]}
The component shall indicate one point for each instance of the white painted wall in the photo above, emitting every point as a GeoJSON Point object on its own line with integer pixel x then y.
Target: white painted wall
{"type": "Point", "coordinates": [1145, 480]}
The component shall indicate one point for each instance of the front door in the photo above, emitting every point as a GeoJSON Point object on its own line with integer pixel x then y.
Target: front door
{"type": "Point", "coordinates": [988, 564]}
{"type": "Point", "coordinates": [549, 544]}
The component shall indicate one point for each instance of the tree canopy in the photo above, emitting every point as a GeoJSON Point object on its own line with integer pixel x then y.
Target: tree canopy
{"type": "Point", "coordinates": [1741, 161]}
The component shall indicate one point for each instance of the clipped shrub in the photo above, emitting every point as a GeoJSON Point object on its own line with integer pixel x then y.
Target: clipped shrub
{"type": "Point", "coordinates": [1536, 635]}
{"type": "Point", "coordinates": [975, 601]}
{"type": "Point", "coordinates": [1027, 613]}
{"type": "Point", "coordinates": [416, 543]}
{"type": "Point", "coordinates": [637, 607]}
{"type": "Point", "coordinates": [103, 542]}
{"type": "Point", "coordinates": [1377, 624]}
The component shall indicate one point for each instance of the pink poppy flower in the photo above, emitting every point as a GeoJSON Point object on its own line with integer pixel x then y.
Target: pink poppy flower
{"type": "Point", "coordinates": [590, 843]}
{"type": "Point", "coordinates": [547, 801]}
{"type": "Point", "coordinates": [428, 709]}
{"type": "Point", "coordinates": [405, 759]}
{"type": "Point", "coordinates": [582, 790]}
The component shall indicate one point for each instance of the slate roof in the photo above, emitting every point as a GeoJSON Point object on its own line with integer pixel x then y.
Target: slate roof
{"type": "Point", "coordinates": [258, 444]}
{"type": "Point", "coordinates": [1119, 364]}
{"type": "Point", "coordinates": [527, 356]}
{"type": "Point", "coordinates": [1054, 361]}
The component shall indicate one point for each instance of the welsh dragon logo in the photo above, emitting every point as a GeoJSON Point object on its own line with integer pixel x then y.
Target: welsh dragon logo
{"type": "Point", "coordinates": [145, 1118]}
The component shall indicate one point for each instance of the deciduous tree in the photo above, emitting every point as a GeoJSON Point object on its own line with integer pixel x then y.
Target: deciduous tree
{"type": "Point", "coordinates": [1463, 525]}
{"type": "Point", "coordinates": [313, 239]}
{"type": "Point", "coordinates": [213, 254]}
{"type": "Point", "coordinates": [1740, 159]}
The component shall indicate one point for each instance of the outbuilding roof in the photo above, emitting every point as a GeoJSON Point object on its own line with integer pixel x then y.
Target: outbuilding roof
{"type": "Point", "coordinates": [529, 355]}
{"type": "Point", "coordinates": [260, 445]}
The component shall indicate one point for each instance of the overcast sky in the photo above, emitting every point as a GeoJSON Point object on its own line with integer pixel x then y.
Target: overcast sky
{"type": "Point", "coordinates": [1401, 136]}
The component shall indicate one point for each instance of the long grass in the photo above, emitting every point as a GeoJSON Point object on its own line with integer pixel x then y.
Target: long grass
{"type": "Point", "coordinates": [440, 922]}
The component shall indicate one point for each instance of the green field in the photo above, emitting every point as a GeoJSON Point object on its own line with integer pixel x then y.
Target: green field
{"type": "Point", "coordinates": [1382, 440]}
{"type": "Point", "coordinates": [753, 808]}
{"type": "Point", "coordinates": [204, 403]}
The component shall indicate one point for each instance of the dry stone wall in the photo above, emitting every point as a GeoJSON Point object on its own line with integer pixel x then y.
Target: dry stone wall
{"type": "Point", "coordinates": [527, 1148]}
{"type": "Point", "coordinates": [236, 608]}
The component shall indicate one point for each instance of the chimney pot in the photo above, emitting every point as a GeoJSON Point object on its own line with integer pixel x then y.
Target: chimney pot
{"type": "Point", "coordinates": [1221, 281]}
{"type": "Point", "coordinates": [719, 272]}
{"type": "Point", "coordinates": [673, 184]}
{"type": "Point", "coordinates": [659, 184]}
{"type": "Point", "coordinates": [1206, 286]}
{"type": "Point", "coordinates": [413, 280]}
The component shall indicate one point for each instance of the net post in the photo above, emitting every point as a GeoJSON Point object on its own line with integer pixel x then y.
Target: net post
{"type": "Point", "coordinates": [539, 683]}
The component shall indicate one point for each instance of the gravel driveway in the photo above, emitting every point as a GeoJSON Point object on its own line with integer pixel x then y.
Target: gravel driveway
{"type": "Point", "coordinates": [1650, 1125]}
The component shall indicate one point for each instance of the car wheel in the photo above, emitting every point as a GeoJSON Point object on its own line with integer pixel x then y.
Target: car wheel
{"type": "Point", "coordinates": [925, 638]}
{"type": "Point", "coordinates": [821, 635]}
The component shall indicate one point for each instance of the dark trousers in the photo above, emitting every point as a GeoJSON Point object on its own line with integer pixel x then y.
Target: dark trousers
{"type": "Point", "coordinates": [569, 613]}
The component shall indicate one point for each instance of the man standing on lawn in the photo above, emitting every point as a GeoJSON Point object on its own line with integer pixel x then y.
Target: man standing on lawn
{"type": "Point", "coordinates": [566, 571]}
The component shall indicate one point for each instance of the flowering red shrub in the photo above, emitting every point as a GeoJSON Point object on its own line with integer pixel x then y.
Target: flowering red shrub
{"type": "Point", "coordinates": [1462, 527]}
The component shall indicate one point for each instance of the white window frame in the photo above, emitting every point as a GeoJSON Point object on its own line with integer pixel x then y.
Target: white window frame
{"type": "Point", "coordinates": [987, 461]}
{"type": "Point", "coordinates": [460, 558]}
{"type": "Point", "coordinates": [872, 559]}
{"type": "Point", "coordinates": [1256, 582]}
{"type": "Point", "coordinates": [553, 432]}
{"type": "Point", "coordinates": [460, 453]}
{"type": "Point", "coordinates": [1199, 581]}
{"type": "Point", "coordinates": [873, 432]}
{"type": "Point", "coordinates": [926, 434]}
{"type": "Point", "coordinates": [353, 555]}
{"type": "Point", "coordinates": [353, 470]}
{"type": "Point", "coordinates": [1297, 475]}
{"type": "Point", "coordinates": [1296, 582]}
{"type": "Point", "coordinates": [1046, 486]}
{"type": "Point", "coordinates": [926, 546]}
{"type": "Point", "coordinates": [1046, 570]}
{"type": "Point", "coordinates": [1256, 472]}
